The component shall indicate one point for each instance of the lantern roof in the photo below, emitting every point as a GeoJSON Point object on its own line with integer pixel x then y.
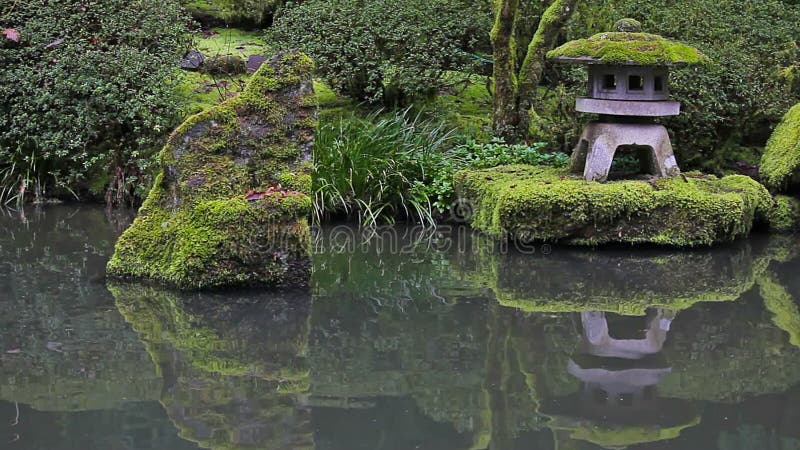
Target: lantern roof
{"type": "Point", "coordinates": [627, 48]}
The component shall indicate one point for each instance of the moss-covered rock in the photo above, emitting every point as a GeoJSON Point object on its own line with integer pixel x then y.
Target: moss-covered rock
{"type": "Point", "coordinates": [784, 215]}
{"type": "Point", "coordinates": [781, 159]}
{"type": "Point", "coordinates": [628, 25]}
{"type": "Point", "coordinates": [642, 49]}
{"type": "Point", "coordinates": [224, 65]}
{"type": "Point", "coordinates": [229, 207]}
{"type": "Point", "coordinates": [531, 203]}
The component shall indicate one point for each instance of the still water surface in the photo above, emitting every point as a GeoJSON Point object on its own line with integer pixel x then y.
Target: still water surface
{"type": "Point", "coordinates": [410, 341]}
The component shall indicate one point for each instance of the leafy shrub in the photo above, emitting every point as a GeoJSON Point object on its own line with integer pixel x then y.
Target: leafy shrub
{"type": "Point", "coordinates": [85, 94]}
{"type": "Point", "coordinates": [735, 101]}
{"type": "Point", "coordinates": [391, 50]}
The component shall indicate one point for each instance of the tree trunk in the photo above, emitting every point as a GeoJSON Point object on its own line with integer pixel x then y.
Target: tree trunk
{"type": "Point", "coordinates": [514, 94]}
{"type": "Point", "coordinates": [505, 116]}
{"type": "Point", "coordinates": [553, 19]}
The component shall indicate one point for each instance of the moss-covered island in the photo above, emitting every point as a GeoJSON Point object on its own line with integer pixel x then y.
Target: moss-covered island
{"type": "Point", "coordinates": [229, 206]}
{"type": "Point", "coordinates": [533, 203]}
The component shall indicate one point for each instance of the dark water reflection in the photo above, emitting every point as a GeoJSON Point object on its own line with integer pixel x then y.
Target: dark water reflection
{"type": "Point", "coordinates": [451, 343]}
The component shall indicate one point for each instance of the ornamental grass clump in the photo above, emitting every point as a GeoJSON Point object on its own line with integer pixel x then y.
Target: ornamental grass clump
{"type": "Point", "coordinates": [374, 168]}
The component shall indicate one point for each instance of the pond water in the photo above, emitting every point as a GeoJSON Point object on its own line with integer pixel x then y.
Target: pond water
{"type": "Point", "coordinates": [409, 340]}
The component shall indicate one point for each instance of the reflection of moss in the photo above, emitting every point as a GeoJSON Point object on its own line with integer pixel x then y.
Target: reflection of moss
{"type": "Point", "coordinates": [234, 367]}
{"type": "Point", "coordinates": [161, 316]}
{"type": "Point", "coordinates": [782, 305]}
{"type": "Point", "coordinates": [623, 282]}
{"type": "Point", "coordinates": [612, 437]}
{"type": "Point", "coordinates": [530, 203]}
{"type": "Point", "coordinates": [629, 48]}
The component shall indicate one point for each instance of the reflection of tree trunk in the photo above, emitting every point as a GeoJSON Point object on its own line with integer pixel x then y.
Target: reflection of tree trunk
{"type": "Point", "coordinates": [497, 374]}
{"type": "Point", "coordinates": [562, 440]}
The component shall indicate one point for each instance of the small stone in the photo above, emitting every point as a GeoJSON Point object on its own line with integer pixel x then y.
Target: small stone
{"type": "Point", "coordinates": [193, 60]}
{"type": "Point", "coordinates": [254, 62]}
{"type": "Point", "coordinates": [628, 25]}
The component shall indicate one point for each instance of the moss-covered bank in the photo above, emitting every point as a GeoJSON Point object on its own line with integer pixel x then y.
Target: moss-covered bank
{"type": "Point", "coordinates": [530, 203]}
{"type": "Point", "coordinates": [781, 159]}
{"type": "Point", "coordinates": [229, 206]}
{"type": "Point", "coordinates": [784, 215]}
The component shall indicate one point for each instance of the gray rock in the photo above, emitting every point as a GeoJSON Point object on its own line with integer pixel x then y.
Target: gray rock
{"type": "Point", "coordinates": [192, 61]}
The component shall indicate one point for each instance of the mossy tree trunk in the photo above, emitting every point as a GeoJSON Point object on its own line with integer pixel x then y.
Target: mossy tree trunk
{"type": "Point", "coordinates": [515, 84]}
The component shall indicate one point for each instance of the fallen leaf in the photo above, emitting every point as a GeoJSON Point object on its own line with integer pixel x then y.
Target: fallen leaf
{"type": "Point", "coordinates": [11, 33]}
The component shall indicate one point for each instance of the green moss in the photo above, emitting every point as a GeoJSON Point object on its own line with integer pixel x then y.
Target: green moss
{"type": "Point", "coordinates": [232, 41]}
{"type": "Point", "coordinates": [784, 215]}
{"type": "Point", "coordinates": [467, 109]}
{"type": "Point", "coordinates": [224, 65]}
{"type": "Point", "coordinates": [195, 229]}
{"type": "Point", "coordinates": [530, 203]}
{"type": "Point", "coordinates": [781, 159]}
{"type": "Point", "coordinates": [629, 48]}
{"type": "Point", "coordinates": [628, 25]}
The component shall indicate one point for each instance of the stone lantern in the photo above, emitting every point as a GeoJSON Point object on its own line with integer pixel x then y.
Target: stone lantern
{"type": "Point", "coordinates": [628, 87]}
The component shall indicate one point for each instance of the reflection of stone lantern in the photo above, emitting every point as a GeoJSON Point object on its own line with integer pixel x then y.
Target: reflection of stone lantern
{"type": "Point", "coordinates": [618, 404]}
{"type": "Point", "coordinates": [628, 87]}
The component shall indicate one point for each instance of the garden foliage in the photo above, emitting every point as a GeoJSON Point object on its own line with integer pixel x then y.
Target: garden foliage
{"type": "Point", "coordinates": [390, 51]}
{"type": "Point", "coordinates": [85, 94]}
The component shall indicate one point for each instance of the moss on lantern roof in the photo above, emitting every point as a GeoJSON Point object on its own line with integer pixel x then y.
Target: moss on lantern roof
{"type": "Point", "coordinates": [628, 48]}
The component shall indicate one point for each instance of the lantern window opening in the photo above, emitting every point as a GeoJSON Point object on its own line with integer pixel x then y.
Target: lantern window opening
{"type": "Point", "coordinates": [635, 83]}
{"type": "Point", "coordinates": [609, 82]}
{"type": "Point", "coordinates": [658, 84]}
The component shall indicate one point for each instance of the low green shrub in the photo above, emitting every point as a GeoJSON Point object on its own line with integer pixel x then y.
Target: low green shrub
{"type": "Point", "coordinates": [86, 95]}
{"type": "Point", "coordinates": [391, 51]}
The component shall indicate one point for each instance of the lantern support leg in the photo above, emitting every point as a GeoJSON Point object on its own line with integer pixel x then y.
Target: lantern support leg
{"type": "Point", "coordinates": [600, 141]}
